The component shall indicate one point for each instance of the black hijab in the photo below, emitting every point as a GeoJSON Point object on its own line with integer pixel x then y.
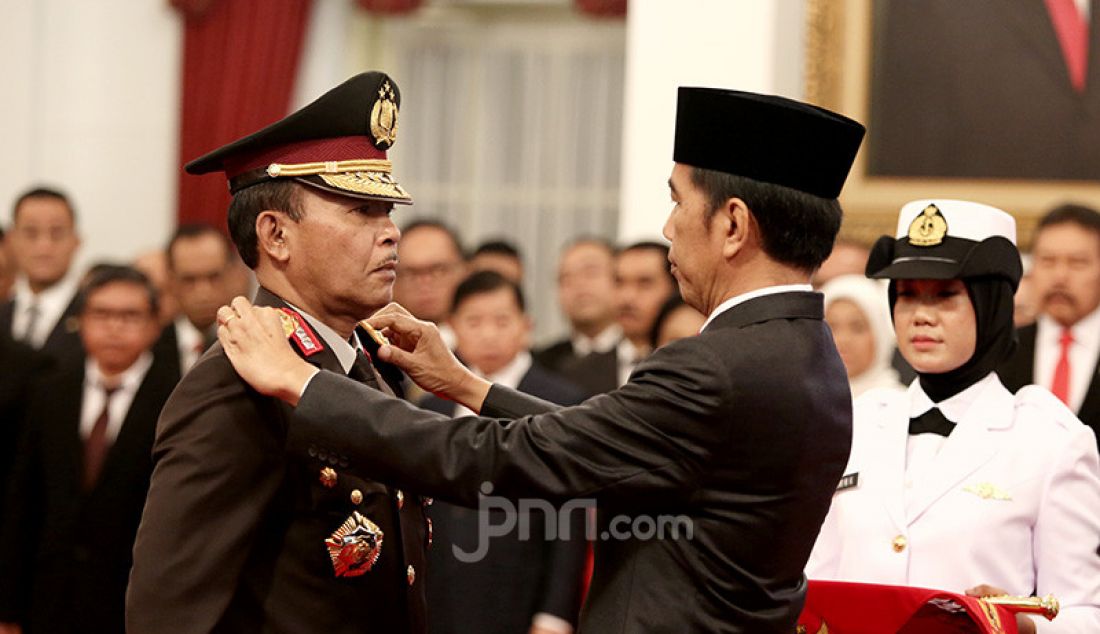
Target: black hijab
{"type": "Point", "coordinates": [992, 298]}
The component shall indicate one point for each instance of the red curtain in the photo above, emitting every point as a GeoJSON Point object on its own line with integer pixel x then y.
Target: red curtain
{"type": "Point", "coordinates": [240, 60]}
{"type": "Point", "coordinates": [390, 7]}
{"type": "Point", "coordinates": [602, 8]}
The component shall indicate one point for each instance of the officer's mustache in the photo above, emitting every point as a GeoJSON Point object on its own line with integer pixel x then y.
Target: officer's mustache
{"type": "Point", "coordinates": [1058, 294]}
{"type": "Point", "coordinates": [391, 260]}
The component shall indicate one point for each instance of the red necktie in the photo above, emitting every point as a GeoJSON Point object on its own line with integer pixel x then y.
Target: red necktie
{"type": "Point", "coordinates": [1060, 385]}
{"type": "Point", "coordinates": [1073, 36]}
{"type": "Point", "coordinates": [96, 445]}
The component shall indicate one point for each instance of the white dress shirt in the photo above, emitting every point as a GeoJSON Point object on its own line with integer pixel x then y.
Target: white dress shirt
{"type": "Point", "coordinates": [508, 376]}
{"type": "Point", "coordinates": [95, 396]}
{"type": "Point", "coordinates": [922, 449]}
{"type": "Point", "coordinates": [51, 303]}
{"type": "Point", "coordinates": [188, 340]}
{"type": "Point", "coordinates": [608, 338]}
{"type": "Point", "coordinates": [1083, 354]}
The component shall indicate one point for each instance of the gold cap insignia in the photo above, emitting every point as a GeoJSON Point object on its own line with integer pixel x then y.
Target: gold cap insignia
{"type": "Point", "coordinates": [929, 228]}
{"type": "Point", "coordinates": [355, 547]}
{"type": "Point", "coordinates": [383, 118]}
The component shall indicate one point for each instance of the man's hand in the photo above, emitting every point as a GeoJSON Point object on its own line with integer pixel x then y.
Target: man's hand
{"type": "Point", "coordinates": [1024, 624]}
{"type": "Point", "coordinates": [257, 346]}
{"type": "Point", "coordinates": [10, 628]}
{"type": "Point", "coordinates": [418, 349]}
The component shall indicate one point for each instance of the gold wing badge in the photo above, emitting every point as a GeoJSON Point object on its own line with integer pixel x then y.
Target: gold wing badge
{"type": "Point", "coordinates": [929, 228]}
{"type": "Point", "coordinates": [355, 547]}
{"type": "Point", "coordinates": [383, 118]}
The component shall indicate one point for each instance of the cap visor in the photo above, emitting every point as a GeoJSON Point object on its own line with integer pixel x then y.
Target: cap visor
{"type": "Point", "coordinates": [919, 268]}
{"type": "Point", "coordinates": [362, 185]}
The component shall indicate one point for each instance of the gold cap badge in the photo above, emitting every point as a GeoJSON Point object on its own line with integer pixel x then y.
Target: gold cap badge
{"type": "Point", "coordinates": [928, 228]}
{"type": "Point", "coordinates": [383, 118]}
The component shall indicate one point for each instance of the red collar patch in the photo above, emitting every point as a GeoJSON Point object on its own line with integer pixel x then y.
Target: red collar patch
{"type": "Point", "coordinates": [298, 331]}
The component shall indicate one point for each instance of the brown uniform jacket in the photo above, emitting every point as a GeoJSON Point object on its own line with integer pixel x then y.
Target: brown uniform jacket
{"type": "Point", "coordinates": [234, 529]}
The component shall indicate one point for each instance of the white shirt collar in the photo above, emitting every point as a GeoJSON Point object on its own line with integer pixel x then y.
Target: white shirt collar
{"type": "Point", "coordinates": [608, 338]}
{"type": "Point", "coordinates": [511, 374]}
{"type": "Point", "coordinates": [341, 347]}
{"type": "Point", "coordinates": [759, 292]}
{"type": "Point", "coordinates": [1086, 331]}
{"type": "Point", "coordinates": [51, 302]}
{"type": "Point", "coordinates": [954, 408]}
{"type": "Point", "coordinates": [129, 380]}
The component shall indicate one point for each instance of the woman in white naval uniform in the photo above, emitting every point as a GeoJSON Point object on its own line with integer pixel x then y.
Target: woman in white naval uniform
{"type": "Point", "coordinates": [956, 483]}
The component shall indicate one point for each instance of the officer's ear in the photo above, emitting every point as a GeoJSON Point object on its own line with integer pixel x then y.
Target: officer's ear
{"type": "Point", "coordinates": [271, 235]}
{"type": "Point", "coordinates": [736, 226]}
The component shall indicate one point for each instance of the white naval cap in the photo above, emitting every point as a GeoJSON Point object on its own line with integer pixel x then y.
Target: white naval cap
{"type": "Point", "coordinates": [948, 239]}
{"type": "Point", "coordinates": [963, 219]}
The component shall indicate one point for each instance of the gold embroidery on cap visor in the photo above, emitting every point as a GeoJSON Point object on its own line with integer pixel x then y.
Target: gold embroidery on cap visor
{"type": "Point", "coordinates": [929, 228]}
{"type": "Point", "coordinates": [369, 177]}
{"type": "Point", "coordinates": [355, 547]}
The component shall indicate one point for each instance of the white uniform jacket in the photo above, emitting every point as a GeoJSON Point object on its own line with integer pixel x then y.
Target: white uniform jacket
{"type": "Point", "coordinates": [1012, 499]}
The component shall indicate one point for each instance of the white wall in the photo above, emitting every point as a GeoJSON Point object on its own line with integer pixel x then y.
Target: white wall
{"type": "Point", "coordinates": [89, 102]}
{"type": "Point", "coordinates": [751, 45]}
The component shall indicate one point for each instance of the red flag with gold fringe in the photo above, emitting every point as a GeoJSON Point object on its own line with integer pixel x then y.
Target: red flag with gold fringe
{"type": "Point", "coordinates": [836, 607]}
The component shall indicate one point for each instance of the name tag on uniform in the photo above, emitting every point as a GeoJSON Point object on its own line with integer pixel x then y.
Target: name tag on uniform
{"type": "Point", "coordinates": [849, 481]}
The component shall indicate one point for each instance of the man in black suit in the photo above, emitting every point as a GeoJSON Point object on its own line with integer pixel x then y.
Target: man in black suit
{"type": "Point", "coordinates": [643, 283]}
{"type": "Point", "coordinates": [22, 367]}
{"type": "Point", "coordinates": [1061, 349]}
{"type": "Point", "coordinates": [986, 89]}
{"type": "Point", "coordinates": [43, 241]}
{"type": "Point", "coordinates": [509, 584]}
{"type": "Point", "coordinates": [237, 536]}
{"type": "Point", "coordinates": [200, 263]}
{"type": "Point", "coordinates": [80, 477]}
{"type": "Point", "coordinates": [586, 294]}
{"type": "Point", "coordinates": [733, 440]}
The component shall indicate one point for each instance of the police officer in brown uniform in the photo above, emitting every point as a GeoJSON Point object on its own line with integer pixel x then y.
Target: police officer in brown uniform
{"type": "Point", "coordinates": [237, 535]}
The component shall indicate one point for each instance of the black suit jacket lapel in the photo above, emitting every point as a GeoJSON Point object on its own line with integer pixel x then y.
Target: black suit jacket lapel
{"type": "Point", "coordinates": [1031, 21]}
{"type": "Point", "coordinates": [64, 328]}
{"type": "Point", "coordinates": [131, 450]}
{"type": "Point", "coordinates": [7, 314]}
{"type": "Point", "coordinates": [1019, 369]}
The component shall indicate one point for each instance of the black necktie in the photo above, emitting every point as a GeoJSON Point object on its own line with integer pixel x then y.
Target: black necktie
{"type": "Point", "coordinates": [363, 371]}
{"type": "Point", "coordinates": [931, 422]}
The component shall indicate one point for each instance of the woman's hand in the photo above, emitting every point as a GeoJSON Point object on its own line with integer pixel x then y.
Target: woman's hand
{"type": "Point", "coordinates": [1024, 624]}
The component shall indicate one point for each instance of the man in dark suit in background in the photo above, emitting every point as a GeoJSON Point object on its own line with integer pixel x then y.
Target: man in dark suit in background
{"type": "Point", "coordinates": [986, 89]}
{"type": "Point", "coordinates": [514, 586]}
{"type": "Point", "coordinates": [643, 283]}
{"type": "Point", "coordinates": [21, 367]}
{"type": "Point", "coordinates": [738, 435]}
{"type": "Point", "coordinates": [200, 261]}
{"type": "Point", "coordinates": [79, 480]}
{"type": "Point", "coordinates": [586, 294]}
{"type": "Point", "coordinates": [43, 242]}
{"type": "Point", "coordinates": [1061, 349]}
{"type": "Point", "coordinates": [237, 536]}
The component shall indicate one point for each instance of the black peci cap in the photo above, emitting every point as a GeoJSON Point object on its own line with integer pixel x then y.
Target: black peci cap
{"type": "Point", "coordinates": [766, 138]}
{"type": "Point", "coordinates": [337, 143]}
